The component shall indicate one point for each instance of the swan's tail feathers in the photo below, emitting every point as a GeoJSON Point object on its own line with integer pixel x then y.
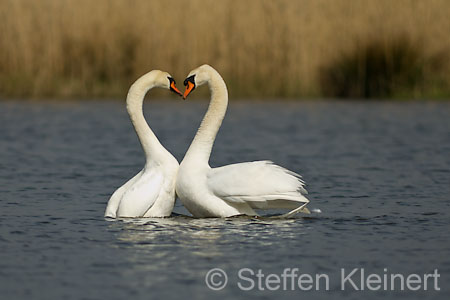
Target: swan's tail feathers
{"type": "Point", "coordinates": [300, 209]}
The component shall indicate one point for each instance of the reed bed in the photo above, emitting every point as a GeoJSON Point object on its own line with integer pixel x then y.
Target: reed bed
{"type": "Point", "coordinates": [263, 48]}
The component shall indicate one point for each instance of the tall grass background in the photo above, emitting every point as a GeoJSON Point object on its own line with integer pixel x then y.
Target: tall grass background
{"type": "Point", "coordinates": [263, 48]}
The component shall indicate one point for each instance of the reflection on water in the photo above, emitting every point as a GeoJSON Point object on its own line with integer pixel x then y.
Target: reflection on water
{"type": "Point", "coordinates": [197, 236]}
{"type": "Point", "coordinates": [202, 237]}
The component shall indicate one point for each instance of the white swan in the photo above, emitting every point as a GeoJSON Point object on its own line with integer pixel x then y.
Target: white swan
{"type": "Point", "coordinates": [151, 193]}
{"type": "Point", "coordinates": [233, 189]}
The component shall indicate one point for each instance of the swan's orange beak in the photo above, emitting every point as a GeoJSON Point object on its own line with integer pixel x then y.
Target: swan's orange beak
{"type": "Point", "coordinates": [189, 88]}
{"type": "Point", "coordinates": [189, 83]}
{"type": "Point", "coordinates": [174, 89]}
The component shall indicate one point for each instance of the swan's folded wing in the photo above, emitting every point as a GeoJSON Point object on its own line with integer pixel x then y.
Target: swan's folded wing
{"type": "Point", "coordinates": [261, 184]}
{"type": "Point", "coordinates": [142, 194]}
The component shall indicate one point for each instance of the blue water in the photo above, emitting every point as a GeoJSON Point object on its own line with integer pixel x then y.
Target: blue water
{"type": "Point", "coordinates": [379, 172]}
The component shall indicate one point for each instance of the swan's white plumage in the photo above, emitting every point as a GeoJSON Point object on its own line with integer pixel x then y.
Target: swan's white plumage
{"type": "Point", "coordinates": [150, 193]}
{"type": "Point", "coordinates": [261, 184]}
{"type": "Point", "coordinates": [142, 194]}
{"type": "Point", "coordinates": [233, 189]}
{"type": "Point", "coordinates": [114, 201]}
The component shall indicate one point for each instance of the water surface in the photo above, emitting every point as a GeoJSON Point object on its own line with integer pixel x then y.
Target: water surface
{"type": "Point", "coordinates": [380, 173]}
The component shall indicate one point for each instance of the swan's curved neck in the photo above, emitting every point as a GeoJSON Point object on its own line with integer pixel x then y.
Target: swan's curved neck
{"type": "Point", "coordinates": [135, 98]}
{"type": "Point", "coordinates": [201, 146]}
